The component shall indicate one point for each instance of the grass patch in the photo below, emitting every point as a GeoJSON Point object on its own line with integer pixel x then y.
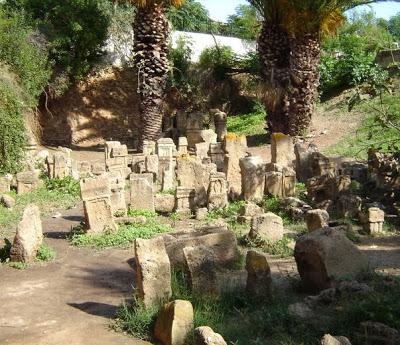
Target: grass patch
{"type": "Point", "coordinates": [368, 134]}
{"type": "Point", "coordinates": [145, 213]}
{"type": "Point", "coordinates": [48, 198]}
{"type": "Point", "coordinates": [248, 124]}
{"type": "Point", "coordinates": [123, 237]}
{"type": "Point", "coordinates": [230, 211]}
{"type": "Point", "coordinates": [45, 253]}
{"type": "Point", "coordinates": [279, 248]}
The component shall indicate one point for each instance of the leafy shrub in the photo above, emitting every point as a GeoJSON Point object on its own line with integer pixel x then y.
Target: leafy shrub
{"type": "Point", "coordinates": [248, 124]}
{"type": "Point", "coordinates": [75, 30]}
{"type": "Point", "coordinates": [12, 129]}
{"type": "Point", "coordinates": [180, 61]}
{"type": "Point", "coordinates": [66, 185]}
{"type": "Point", "coordinates": [27, 59]}
{"type": "Point", "coordinates": [45, 253]}
{"type": "Point", "coordinates": [218, 59]}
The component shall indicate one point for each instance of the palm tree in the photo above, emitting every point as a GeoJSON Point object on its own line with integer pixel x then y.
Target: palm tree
{"type": "Point", "coordinates": [300, 24]}
{"type": "Point", "coordinates": [151, 31]}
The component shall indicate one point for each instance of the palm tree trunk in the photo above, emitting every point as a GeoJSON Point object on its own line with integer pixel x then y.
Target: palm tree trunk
{"type": "Point", "coordinates": [151, 31]}
{"type": "Point", "coordinates": [304, 81]}
{"type": "Point", "coordinates": [274, 49]}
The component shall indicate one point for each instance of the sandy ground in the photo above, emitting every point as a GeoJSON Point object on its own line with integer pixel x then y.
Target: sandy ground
{"type": "Point", "coordinates": [69, 301]}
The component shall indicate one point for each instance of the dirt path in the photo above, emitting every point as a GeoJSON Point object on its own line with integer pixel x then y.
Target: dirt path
{"type": "Point", "coordinates": [68, 301]}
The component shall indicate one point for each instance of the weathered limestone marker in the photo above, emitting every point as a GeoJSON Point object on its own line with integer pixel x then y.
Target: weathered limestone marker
{"type": "Point", "coordinates": [59, 165]}
{"type": "Point", "coordinates": [267, 226]}
{"type": "Point", "coordinates": [202, 150]}
{"type": "Point", "coordinates": [282, 149]}
{"type": "Point", "coordinates": [253, 178]}
{"type": "Point", "coordinates": [220, 120]}
{"type": "Point", "coordinates": [29, 236]}
{"type": "Point", "coordinates": [326, 255]}
{"type": "Point", "coordinates": [141, 193]}
{"type": "Point", "coordinates": [248, 211]}
{"type": "Point", "coordinates": [168, 180]}
{"type": "Point", "coordinates": [27, 181]}
{"type": "Point", "coordinates": [280, 183]}
{"type": "Point", "coordinates": [235, 148]}
{"type": "Point", "coordinates": [192, 173]}
{"type": "Point", "coordinates": [174, 323]}
{"type": "Point", "coordinates": [258, 274]}
{"type": "Point", "coordinates": [149, 147]}
{"type": "Point", "coordinates": [316, 219]}
{"type": "Point", "coordinates": [117, 197]}
{"type": "Point", "coordinates": [5, 183]}
{"type": "Point", "coordinates": [217, 155]}
{"type": "Point", "coordinates": [376, 218]}
{"type": "Point", "coordinates": [96, 196]}
{"type": "Point", "coordinates": [183, 146]}
{"type": "Point", "coordinates": [217, 191]}
{"type": "Point", "coordinates": [116, 157]}
{"type": "Point", "coordinates": [194, 128]}
{"type": "Point", "coordinates": [151, 165]}
{"type": "Point", "coordinates": [184, 200]}
{"type": "Point", "coordinates": [165, 147]}
{"type": "Point", "coordinates": [304, 157]}
{"type": "Point", "coordinates": [153, 271]}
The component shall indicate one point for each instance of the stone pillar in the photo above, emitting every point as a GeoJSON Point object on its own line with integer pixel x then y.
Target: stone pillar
{"type": "Point", "coordinates": [259, 279]}
{"type": "Point", "coordinates": [149, 147]}
{"type": "Point", "coordinates": [217, 155]}
{"type": "Point", "coordinates": [117, 197]}
{"type": "Point", "coordinates": [27, 181]}
{"type": "Point", "coordinates": [166, 147]}
{"type": "Point", "coordinates": [217, 191]}
{"type": "Point", "coordinates": [141, 193]}
{"type": "Point", "coordinates": [152, 165]}
{"type": "Point", "coordinates": [182, 146]}
{"type": "Point", "coordinates": [5, 184]}
{"type": "Point", "coordinates": [168, 180]}
{"type": "Point", "coordinates": [282, 149]}
{"type": "Point", "coordinates": [220, 119]}
{"type": "Point", "coordinates": [57, 166]}
{"type": "Point", "coordinates": [235, 148]}
{"type": "Point", "coordinates": [304, 157]}
{"type": "Point", "coordinates": [96, 193]}
{"type": "Point", "coordinates": [376, 218]}
{"type": "Point", "coordinates": [116, 157]}
{"type": "Point", "coordinates": [253, 178]}
{"type": "Point", "coordinates": [153, 271]}
{"type": "Point", "coordinates": [281, 183]}
{"type": "Point", "coordinates": [184, 200]}
{"type": "Point", "coordinates": [202, 150]}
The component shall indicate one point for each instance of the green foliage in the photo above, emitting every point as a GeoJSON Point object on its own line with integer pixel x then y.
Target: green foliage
{"type": "Point", "coordinates": [380, 128]}
{"type": "Point", "coordinates": [179, 57]}
{"type": "Point", "coordinates": [248, 124]}
{"type": "Point", "coordinates": [244, 23]}
{"type": "Point", "coordinates": [219, 59]}
{"type": "Point", "coordinates": [137, 320]}
{"type": "Point", "coordinates": [45, 253]}
{"type": "Point", "coordinates": [124, 236]}
{"type": "Point", "coordinates": [12, 129]}
{"type": "Point", "coordinates": [191, 16]}
{"type": "Point", "coordinates": [394, 26]}
{"type": "Point", "coordinates": [279, 248]}
{"type": "Point", "coordinates": [272, 204]}
{"type": "Point", "coordinates": [27, 59]}
{"type": "Point", "coordinates": [145, 213]}
{"type": "Point", "coordinates": [18, 265]}
{"type": "Point", "coordinates": [47, 200]}
{"type": "Point", "coordinates": [67, 185]}
{"type": "Point", "coordinates": [229, 211]}
{"type": "Point", "coordinates": [75, 31]}
{"type": "Point", "coordinates": [348, 59]}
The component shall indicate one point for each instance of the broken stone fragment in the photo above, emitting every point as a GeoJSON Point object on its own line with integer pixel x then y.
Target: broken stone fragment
{"type": "Point", "coordinates": [153, 271]}
{"type": "Point", "coordinates": [325, 256]}
{"type": "Point", "coordinates": [29, 236]}
{"type": "Point", "coordinates": [258, 275]}
{"type": "Point", "coordinates": [330, 340]}
{"type": "Point", "coordinates": [316, 219]}
{"type": "Point", "coordinates": [267, 226]}
{"type": "Point", "coordinates": [7, 201]}
{"type": "Point", "coordinates": [174, 323]}
{"type": "Point", "coordinates": [206, 336]}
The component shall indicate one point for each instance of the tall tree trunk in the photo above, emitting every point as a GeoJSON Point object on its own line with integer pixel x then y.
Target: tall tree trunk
{"type": "Point", "coordinates": [151, 31]}
{"type": "Point", "coordinates": [274, 50]}
{"type": "Point", "coordinates": [304, 81]}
